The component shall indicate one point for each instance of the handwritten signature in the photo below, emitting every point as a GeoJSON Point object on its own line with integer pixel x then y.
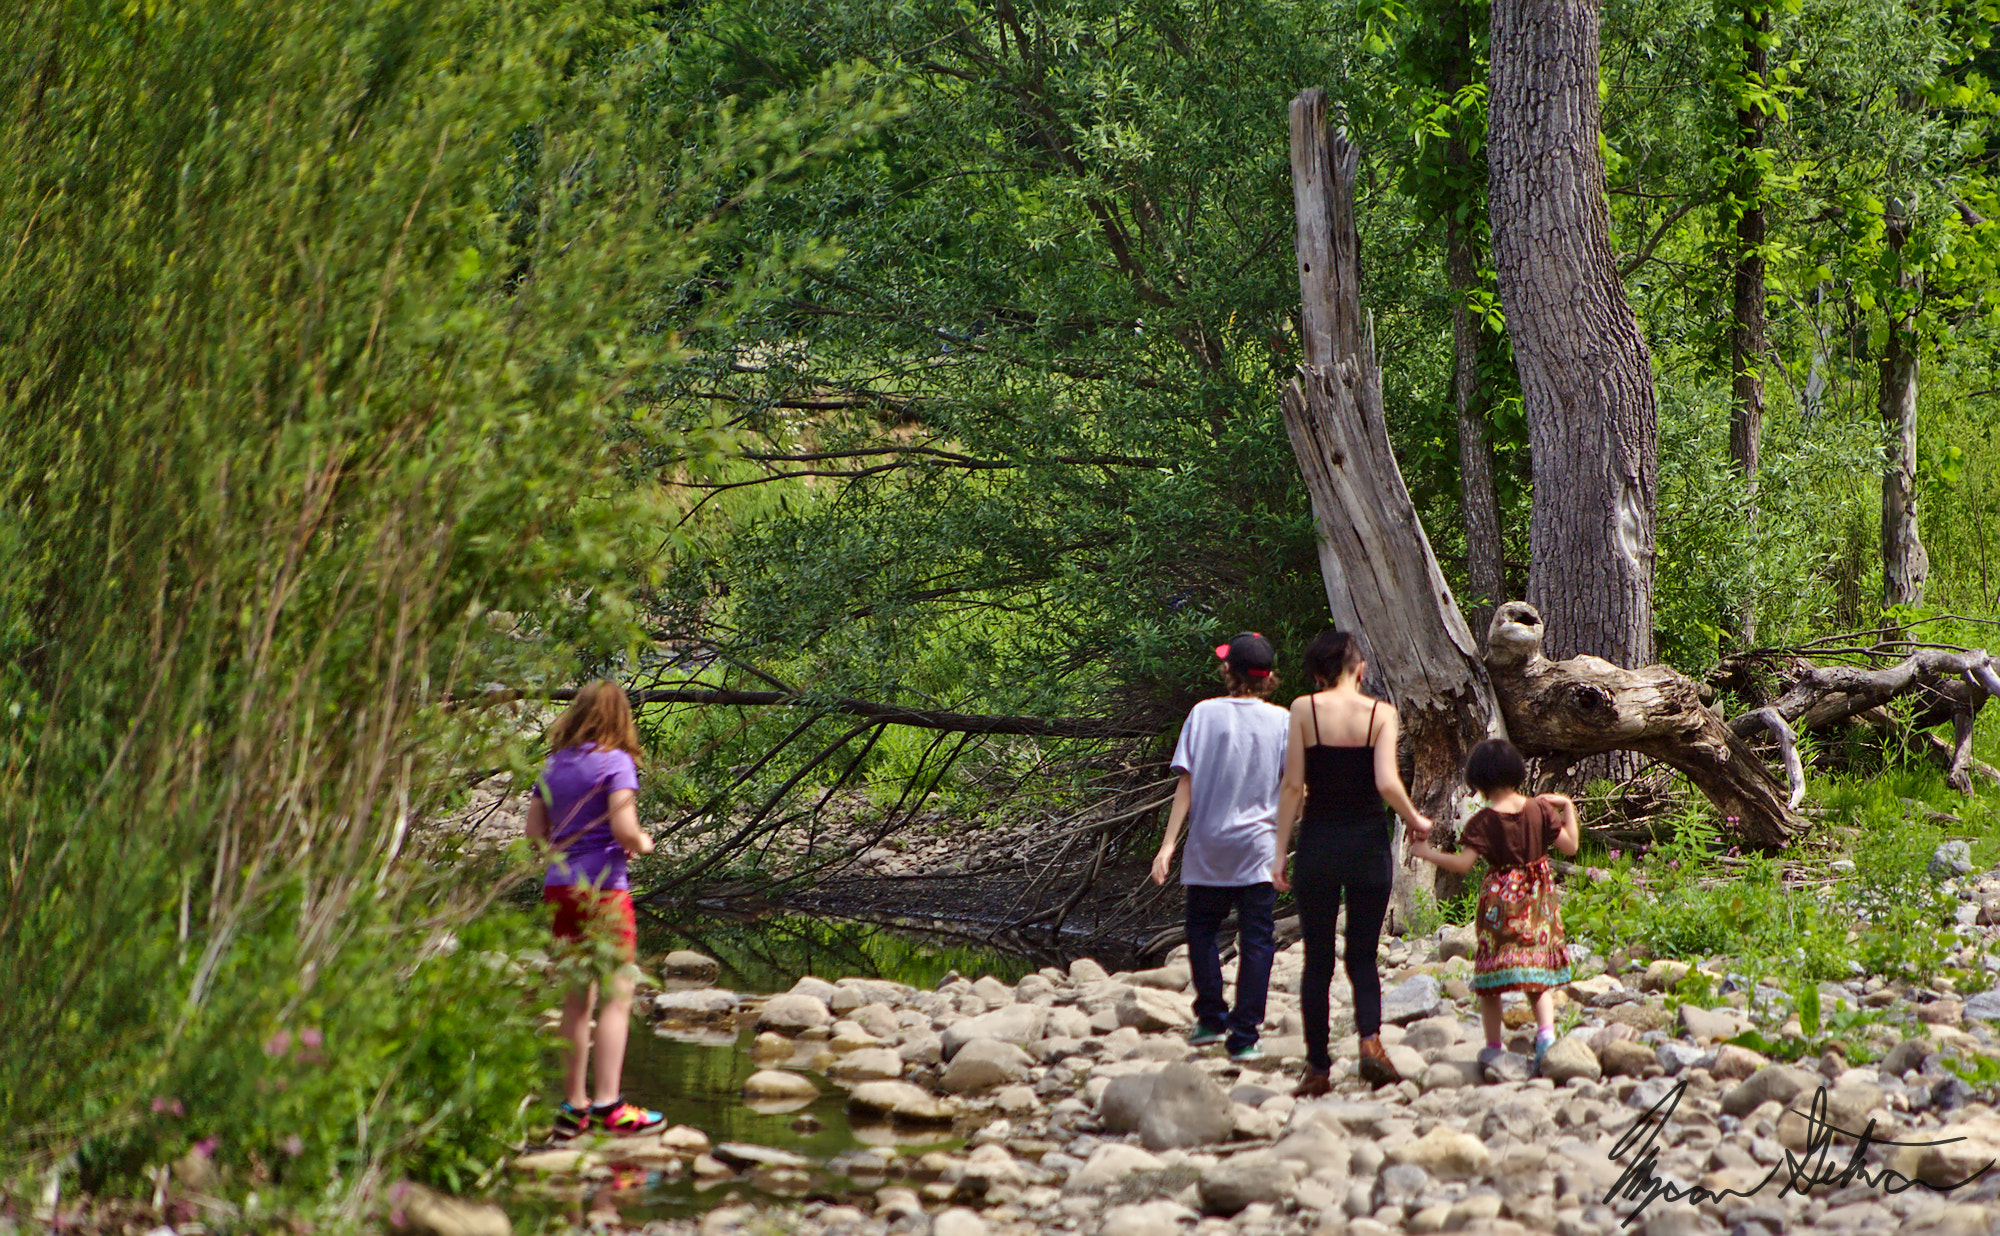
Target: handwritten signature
{"type": "Point", "coordinates": [1800, 1173]}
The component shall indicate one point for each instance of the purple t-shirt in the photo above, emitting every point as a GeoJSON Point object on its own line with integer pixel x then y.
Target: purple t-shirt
{"type": "Point", "coordinates": [576, 788]}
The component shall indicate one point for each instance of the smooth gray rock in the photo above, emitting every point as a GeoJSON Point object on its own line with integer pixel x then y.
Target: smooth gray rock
{"type": "Point", "coordinates": [686, 963]}
{"type": "Point", "coordinates": [1906, 1055]}
{"type": "Point", "coordinates": [1124, 1102]}
{"type": "Point", "coordinates": [1400, 1184]}
{"type": "Point", "coordinates": [1239, 1181]}
{"type": "Point", "coordinates": [983, 1064]}
{"type": "Point", "coordinates": [1507, 1066]}
{"type": "Point", "coordinates": [1774, 1083]}
{"type": "Point", "coordinates": [1413, 999]}
{"type": "Point", "coordinates": [1156, 1218]}
{"type": "Point", "coordinates": [794, 1012]}
{"type": "Point", "coordinates": [704, 1004]}
{"type": "Point", "coordinates": [1019, 1024]}
{"type": "Point", "coordinates": [1676, 1057]}
{"type": "Point", "coordinates": [1984, 1006]}
{"type": "Point", "coordinates": [1187, 1109]}
{"type": "Point", "coordinates": [1951, 858]}
{"type": "Point", "coordinates": [1570, 1056]}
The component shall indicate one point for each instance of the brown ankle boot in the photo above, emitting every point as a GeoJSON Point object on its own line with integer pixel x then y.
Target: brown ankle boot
{"type": "Point", "coordinates": [1313, 1085]}
{"type": "Point", "coordinates": [1375, 1067]}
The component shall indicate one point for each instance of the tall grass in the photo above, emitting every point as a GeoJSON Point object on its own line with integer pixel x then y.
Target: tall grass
{"type": "Point", "coordinates": [323, 331]}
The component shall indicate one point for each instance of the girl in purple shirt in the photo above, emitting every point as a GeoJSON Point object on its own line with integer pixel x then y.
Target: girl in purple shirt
{"type": "Point", "coordinates": [585, 809]}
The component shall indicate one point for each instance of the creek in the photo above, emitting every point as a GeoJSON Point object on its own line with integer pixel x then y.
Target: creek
{"type": "Point", "coordinates": [696, 1077]}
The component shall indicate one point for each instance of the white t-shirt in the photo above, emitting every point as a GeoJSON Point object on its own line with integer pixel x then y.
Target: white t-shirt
{"type": "Point", "coordinates": [1233, 750]}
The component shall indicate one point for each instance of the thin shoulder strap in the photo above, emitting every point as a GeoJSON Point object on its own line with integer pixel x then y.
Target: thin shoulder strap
{"type": "Point", "coordinates": [1312, 702]}
{"type": "Point", "coordinates": [1371, 723]}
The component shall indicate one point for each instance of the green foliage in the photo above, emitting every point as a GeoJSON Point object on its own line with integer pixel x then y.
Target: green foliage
{"type": "Point", "coordinates": [320, 332]}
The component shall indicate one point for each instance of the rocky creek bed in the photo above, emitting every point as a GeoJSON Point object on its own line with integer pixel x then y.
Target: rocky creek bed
{"type": "Point", "coordinates": [1069, 1101]}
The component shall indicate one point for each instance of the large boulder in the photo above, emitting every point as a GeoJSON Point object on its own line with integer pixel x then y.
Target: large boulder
{"type": "Point", "coordinates": [868, 1064]}
{"type": "Point", "coordinates": [1019, 1024]}
{"type": "Point", "coordinates": [687, 964]}
{"type": "Point", "coordinates": [1446, 1153]}
{"type": "Point", "coordinates": [899, 1100]}
{"type": "Point", "coordinates": [1166, 978]}
{"type": "Point", "coordinates": [700, 1007]}
{"type": "Point", "coordinates": [1187, 1109]}
{"type": "Point", "coordinates": [778, 1086]}
{"type": "Point", "coordinates": [794, 1013]}
{"type": "Point", "coordinates": [1236, 1182]}
{"type": "Point", "coordinates": [1413, 999]}
{"type": "Point", "coordinates": [1150, 1011]}
{"type": "Point", "coordinates": [416, 1209]}
{"type": "Point", "coordinates": [1775, 1083]}
{"type": "Point", "coordinates": [1124, 1101]}
{"type": "Point", "coordinates": [1155, 1218]}
{"type": "Point", "coordinates": [1110, 1163]}
{"type": "Point", "coordinates": [1570, 1056]}
{"type": "Point", "coordinates": [983, 1064]}
{"type": "Point", "coordinates": [1710, 1025]}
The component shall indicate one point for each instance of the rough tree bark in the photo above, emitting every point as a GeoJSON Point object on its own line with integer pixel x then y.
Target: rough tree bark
{"type": "Point", "coordinates": [1586, 704]}
{"type": "Point", "coordinates": [1381, 577]}
{"type": "Point", "coordinates": [1905, 565]}
{"type": "Point", "coordinates": [1747, 343]}
{"type": "Point", "coordinates": [1479, 500]}
{"type": "Point", "coordinates": [1586, 374]}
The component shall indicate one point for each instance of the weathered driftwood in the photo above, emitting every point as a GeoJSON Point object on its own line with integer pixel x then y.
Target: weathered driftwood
{"type": "Point", "coordinates": [1586, 705]}
{"type": "Point", "coordinates": [1947, 685]}
{"type": "Point", "coordinates": [1380, 574]}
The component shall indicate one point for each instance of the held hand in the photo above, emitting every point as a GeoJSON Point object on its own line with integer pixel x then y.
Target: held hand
{"type": "Point", "coordinates": [1421, 830]}
{"type": "Point", "coordinates": [645, 846]}
{"type": "Point", "coordinates": [1162, 863]}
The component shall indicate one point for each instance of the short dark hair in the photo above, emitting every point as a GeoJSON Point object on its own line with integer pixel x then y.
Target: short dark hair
{"type": "Point", "coordinates": [1495, 765]}
{"type": "Point", "coordinates": [1332, 654]}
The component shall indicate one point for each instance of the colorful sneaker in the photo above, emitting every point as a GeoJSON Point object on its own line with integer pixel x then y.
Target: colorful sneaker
{"type": "Point", "coordinates": [1205, 1037]}
{"type": "Point", "coordinates": [1246, 1054]}
{"type": "Point", "coordinates": [1542, 1046]}
{"type": "Point", "coordinates": [571, 1123]}
{"type": "Point", "coordinates": [622, 1119]}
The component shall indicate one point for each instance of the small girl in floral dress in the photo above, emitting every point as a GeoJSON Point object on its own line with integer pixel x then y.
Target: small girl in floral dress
{"type": "Point", "coordinates": [1520, 930]}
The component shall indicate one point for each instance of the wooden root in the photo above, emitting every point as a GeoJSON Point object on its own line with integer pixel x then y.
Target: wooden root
{"type": "Point", "coordinates": [1947, 684]}
{"type": "Point", "coordinates": [1586, 706]}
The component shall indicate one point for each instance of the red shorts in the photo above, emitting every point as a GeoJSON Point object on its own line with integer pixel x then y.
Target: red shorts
{"type": "Point", "coordinates": [583, 912]}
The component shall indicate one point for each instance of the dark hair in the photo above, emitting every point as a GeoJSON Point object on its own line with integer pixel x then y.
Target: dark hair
{"type": "Point", "coordinates": [1332, 654]}
{"type": "Point", "coordinates": [1495, 765]}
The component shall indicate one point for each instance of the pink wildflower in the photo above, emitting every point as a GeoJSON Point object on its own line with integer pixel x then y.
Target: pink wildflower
{"type": "Point", "coordinates": [310, 1038]}
{"type": "Point", "coordinates": [206, 1147]}
{"type": "Point", "coordinates": [278, 1044]}
{"type": "Point", "coordinates": [1616, 855]}
{"type": "Point", "coordinates": [294, 1145]}
{"type": "Point", "coordinates": [161, 1103]}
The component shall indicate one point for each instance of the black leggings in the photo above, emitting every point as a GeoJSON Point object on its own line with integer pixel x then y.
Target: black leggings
{"type": "Point", "coordinates": [1336, 860]}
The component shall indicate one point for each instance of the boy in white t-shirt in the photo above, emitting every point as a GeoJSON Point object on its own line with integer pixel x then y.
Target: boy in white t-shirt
{"type": "Point", "coordinates": [1231, 759]}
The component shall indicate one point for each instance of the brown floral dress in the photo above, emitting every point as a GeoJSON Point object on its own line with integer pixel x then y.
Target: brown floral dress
{"type": "Point", "coordinates": [1521, 946]}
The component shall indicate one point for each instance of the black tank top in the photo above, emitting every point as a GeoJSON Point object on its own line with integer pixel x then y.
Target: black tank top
{"type": "Point", "coordinates": [1340, 781]}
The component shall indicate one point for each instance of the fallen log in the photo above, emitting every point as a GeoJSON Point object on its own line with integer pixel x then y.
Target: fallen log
{"type": "Point", "coordinates": [1946, 684]}
{"type": "Point", "coordinates": [1586, 706]}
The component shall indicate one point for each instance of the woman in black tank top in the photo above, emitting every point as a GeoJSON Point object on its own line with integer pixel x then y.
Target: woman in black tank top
{"type": "Point", "coordinates": [1344, 848]}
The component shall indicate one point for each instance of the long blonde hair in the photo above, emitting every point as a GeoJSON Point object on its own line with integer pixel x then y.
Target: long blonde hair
{"type": "Point", "coordinates": [601, 714]}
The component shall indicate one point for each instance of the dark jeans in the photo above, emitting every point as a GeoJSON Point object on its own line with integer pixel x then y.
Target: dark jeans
{"type": "Point", "coordinates": [1335, 861]}
{"type": "Point", "coordinates": [1256, 943]}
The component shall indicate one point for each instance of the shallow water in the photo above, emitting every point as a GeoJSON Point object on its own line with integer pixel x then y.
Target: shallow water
{"type": "Point", "coordinates": [697, 1079]}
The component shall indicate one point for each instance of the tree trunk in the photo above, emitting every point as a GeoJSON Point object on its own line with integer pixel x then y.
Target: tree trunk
{"type": "Point", "coordinates": [1381, 577]}
{"type": "Point", "coordinates": [1586, 374]}
{"type": "Point", "coordinates": [1479, 501]}
{"type": "Point", "coordinates": [1905, 565]}
{"type": "Point", "coordinates": [1747, 335]}
{"type": "Point", "coordinates": [1586, 704]}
